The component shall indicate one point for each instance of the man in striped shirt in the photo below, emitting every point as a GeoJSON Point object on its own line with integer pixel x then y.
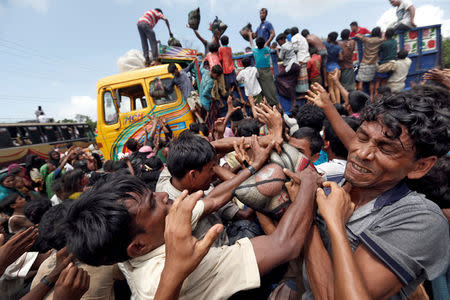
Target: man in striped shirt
{"type": "Point", "coordinates": [145, 26]}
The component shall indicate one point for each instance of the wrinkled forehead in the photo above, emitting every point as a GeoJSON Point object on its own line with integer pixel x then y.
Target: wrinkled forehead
{"type": "Point", "coordinates": [381, 132]}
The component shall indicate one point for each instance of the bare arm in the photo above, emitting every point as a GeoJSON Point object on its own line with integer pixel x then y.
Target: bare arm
{"type": "Point", "coordinates": [204, 42]}
{"type": "Point", "coordinates": [266, 223]}
{"type": "Point", "coordinates": [321, 98]}
{"type": "Point", "coordinates": [412, 11]}
{"type": "Point", "coordinates": [269, 40]}
{"type": "Point", "coordinates": [250, 38]}
{"type": "Point", "coordinates": [168, 26]}
{"type": "Point", "coordinates": [344, 92]}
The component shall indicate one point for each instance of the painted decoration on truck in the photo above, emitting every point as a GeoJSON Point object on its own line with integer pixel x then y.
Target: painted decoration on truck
{"type": "Point", "coordinates": [429, 37]}
{"type": "Point", "coordinates": [177, 52]}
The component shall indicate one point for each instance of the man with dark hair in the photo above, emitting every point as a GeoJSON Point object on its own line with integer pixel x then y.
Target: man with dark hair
{"type": "Point", "coordinates": [347, 78]}
{"type": "Point", "coordinates": [265, 28]}
{"type": "Point", "coordinates": [397, 80]}
{"type": "Point", "coordinates": [286, 79]}
{"type": "Point", "coordinates": [302, 49]}
{"type": "Point", "coordinates": [316, 42]}
{"type": "Point", "coordinates": [123, 221]}
{"type": "Point", "coordinates": [180, 79]}
{"type": "Point", "coordinates": [388, 54]}
{"type": "Point", "coordinates": [405, 15]}
{"type": "Point", "coordinates": [390, 239]}
{"type": "Point", "coordinates": [310, 116]}
{"type": "Point", "coordinates": [307, 141]}
{"type": "Point", "coordinates": [334, 169]}
{"type": "Point", "coordinates": [226, 60]}
{"type": "Point", "coordinates": [145, 27]}
{"type": "Point", "coordinates": [356, 29]}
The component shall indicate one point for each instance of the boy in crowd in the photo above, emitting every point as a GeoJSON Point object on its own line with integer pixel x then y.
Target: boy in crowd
{"type": "Point", "coordinates": [249, 76]}
{"type": "Point", "coordinates": [316, 42]}
{"type": "Point", "coordinates": [226, 60]}
{"type": "Point", "coordinates": [397, 80]}
{"type": "Point", "coordinates": [314, 66]}
{"type": "Point", "coordinates": [356, 29]}
{"type": "Point", "coordinates": [368, 66]}
{"type": "Point", "coordinates": [388, 54]}
{"type": "Point", "coordinates": [347, 74]}
{"type": "Point", "coordinates": [307, 141]}
{"type": "Point", "coordinates": [302, 49]}
{"type": "Point", "coordinates": [145, 27]}
{"type": "Point", "coordinates": [261, 54]}
{"type": "Point", "coordinates": [219, 88]}
{"type": "Point", "coordinates": [286, 80]}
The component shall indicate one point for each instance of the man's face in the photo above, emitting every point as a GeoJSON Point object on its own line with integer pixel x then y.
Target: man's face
{"type": "Point", "coordinates": [281, 42]}
{"type": "Point", "coordinates": [395, 2]}
{"type": "Point", "coordinates": [354, 28]}
{"type": "Point", "coordinates": [377, 162]}
{"type": "Point", "coordinates": [201, 180]}
{"type": "Point", "coordinates": [149, 212]}
{"type": "Point", "coordinates": [263, 14]}
{"type": "Point", "coordinates": [55, 155]}
{"type": "Point", "coordinates": [9, 182]}
{"type": "Point", "coordinates": [302, 145]}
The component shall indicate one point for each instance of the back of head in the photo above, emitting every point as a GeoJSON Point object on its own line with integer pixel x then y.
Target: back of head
{"type": "Point", "coordinates": [224, 40]}
{"type": "Point", "coordinates": [99, 224]}
{"type": "Point", "coordinates": [335, 143]}
{"type": "Point", "coordinates": [34, 210]}
{"type": "Point", "coordinates": [159, 10]}
{"type": "Point", "coordinates": [132, 145]}
{"type": "Point", "coordinates": [287, 31]}
{"type": "Point", "coordinates": [194, 127]}
{"type": "Point", "coordinates": [341, 109]}
{"type": "Point", "coordinates": [294, 30]}
{"type": "Point", "coordinates": [345, 34]}
{"type": "Point", "coordinates": [51, 230]}
{"type": "Point", "coordinates": [313, 50]}
{"type": "Point", "coordinates": [384, 90]}
{"type": "Point", "coordinates": [71, 182]}
{"type": "Point", "coordinates": [310, 116]}
{"type": "Point", "coordinates": [332, 36]}
{"type": "Point", "coordinates": [81, 165]}
{"type": "Point", "coordinates": [423, 111]}
{"type": "Point", "coordinates": [238, 115]}
{"type": "Point", "coordinates": [204, 129]}
{"type": "Point", "coordinates": [354, 23]}
{"type": "Point", "coordinates": [376, 32]}
{"type": "Point", "coordinates": [217, 70]}
{"type": "Point", "coordinates": [246, 62]}
{"type": "Point", "coordinates": [171, 68]}
{"type": "Point", "coordinates": [247, 128]}
{"type": "Point", "coordinates": [260, 42]}
{"type": "Point", "coordinates": [357, 100]}
{"type": "Point", "coordinates": [390, 32]}
{"type": "Point", "coordinates": [305, 32]}
{"type": "Point", "coordinates": [402, 54]}
{"type": "Point", "coordinates": [280, 37]}
{"type": "Point", "coordinates": [315, 141]}
{"type": "Point", "coordinates": [189, 152]}
{"type": "Point", "coordinates": [213, 47]}
{"type": "Point", "coordinates": [107, 166]}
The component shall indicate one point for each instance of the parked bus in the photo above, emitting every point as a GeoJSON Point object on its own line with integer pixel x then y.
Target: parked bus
{"type": "Point", "coordinates": [20, 139]}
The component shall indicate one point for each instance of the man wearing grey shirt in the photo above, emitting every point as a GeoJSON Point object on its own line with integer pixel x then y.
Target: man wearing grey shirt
{"type": "Point", "coordinates": [181, 79]}
{"type": "Point", "coordinates": [375, 238]}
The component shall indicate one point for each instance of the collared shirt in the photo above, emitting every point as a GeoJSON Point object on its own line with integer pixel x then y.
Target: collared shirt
{"type": "Point", "coordinates": [222, 272]}
{"type": "Point", "coordinates": [151, 17]}
{"type": "Point", "coordinates": [264, 29]}
{"type": "Point", "coordinates": [250, 76]}
{"type": "Point", "coordinates": [288, 56]}
{"type": "Point", "coordinates": [301, 47]}
{"type": "Point", "coordinates": [405, 231]}
{"type": "Point", "coordinates": [397, 80]}
{"type": "Point", "coordinates": [228, 211]}
{"type": "Point", "coordinates": [182, 81]}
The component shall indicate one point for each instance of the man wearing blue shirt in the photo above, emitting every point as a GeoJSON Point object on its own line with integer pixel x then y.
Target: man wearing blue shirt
{"type": "Point", "coordinates": [265, 29]}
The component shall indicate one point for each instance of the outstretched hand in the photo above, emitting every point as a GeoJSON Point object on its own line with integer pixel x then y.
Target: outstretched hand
{"type": "Point", "coordinates": [319, 96]}
{"type": "Point", "coordinates": [183, 251]}
{"type": "Point", "coordinates": [274, 121]}
{"type": "Point", "coordinates": [15, 247]}
{"type": "Point", "coordinates": [260, 154]}
{"type": "Point", "coordinates": [72, 283]}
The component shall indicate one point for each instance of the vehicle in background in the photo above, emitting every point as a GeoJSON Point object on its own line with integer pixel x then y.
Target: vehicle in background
{"type": "Point", "coordinates": [21, 139]}
{"type": "Point", "coordinates": [126, 102]}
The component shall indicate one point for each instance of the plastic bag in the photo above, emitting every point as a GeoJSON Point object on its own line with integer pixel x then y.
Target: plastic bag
{"type": "Point", "coordinates": [194, 18]}
{"type": "Point", "coordinates": [245, 31]}
{"type": "Point", "coordinates": [132, 60]}
{"type": "Point", "coordinates": [218, 26]}
{"type": "Point", "coordinates": [173, 42]}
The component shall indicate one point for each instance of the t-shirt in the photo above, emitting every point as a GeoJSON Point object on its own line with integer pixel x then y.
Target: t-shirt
{"type": "Point", "coordinates": [226, 59]}
{"type": "Point", "coordinates": [388, 51]}
{"type": "Point", "coordinates": [264, 29]}
{"type": "Point", "coordinates": [262, 57]}
{"type": "Point", "coordinates": [213, 59]}
{"type": "Point", "coordinates": [371, 49]}
{"type": "Point", "coordinates": [314, 66]}
{"type": "Point", "coordinates": [405, 231]}
{"type": "Point", "coordinates": [301, 47]}
{"type": "Point", "coordinates": [403, 14]}
{"type": "Point", "coordinates": [361, 30]}
{"type": "Point", "coordinates": [288, 56]}
{"type": "Point", "coordinates": [182, 81]}
{"type": "Point", "coordinates": [250, 76]}
{"type": "Point", "coordinates": [333, 56]}
{"type": "Point", "coordinates": [221, 273]}
{"type": "Point", "coordinates": [397, 80]}
{"type": "Point", "coordinates": [347, 54]}
{"type": "Point", "coordinates": [151, 17]}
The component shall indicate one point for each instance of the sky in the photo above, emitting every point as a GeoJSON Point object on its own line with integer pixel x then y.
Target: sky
{"type": "Point", "coordinates": [53, 52]}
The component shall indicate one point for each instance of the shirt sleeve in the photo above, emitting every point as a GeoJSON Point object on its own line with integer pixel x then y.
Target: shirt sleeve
{"type": "Point", "coordinates": [410, 242]}
{"type": "Point", "coordinates": [269, 26]}
{"type": "Point", "coordinates": [189, 67]}
{"type": "Point", "coordinates": [240, 76]}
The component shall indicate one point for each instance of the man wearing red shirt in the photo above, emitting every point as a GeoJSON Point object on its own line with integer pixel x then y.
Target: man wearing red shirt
{"type": "Point", "coordinates": [355, 29]}
{"type": "Point", "coordinates": [226, 59]}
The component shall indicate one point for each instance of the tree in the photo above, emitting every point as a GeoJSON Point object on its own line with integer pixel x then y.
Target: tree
{"type": "Point", "coordinates": [446, 52]}
{"type": "Point", "coordinates": [86, 119]}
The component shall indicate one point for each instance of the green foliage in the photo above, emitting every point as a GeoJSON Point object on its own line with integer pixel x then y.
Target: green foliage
{"type": "Point", "coordinates": [446, 52]}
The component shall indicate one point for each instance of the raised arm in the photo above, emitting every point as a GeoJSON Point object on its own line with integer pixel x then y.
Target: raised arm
{"type": "Point", "coordinates": [204, 42]}
{"type": "Point", "coordinates": [342, 90]}
{"type": "Point", "coordinates": [250, 38]}
{"type": "Point", "coordinates": [168, 25]}
{"type": "Point", "coordinates": [320, 97]}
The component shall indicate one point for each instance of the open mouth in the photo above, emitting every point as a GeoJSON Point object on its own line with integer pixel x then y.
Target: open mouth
{"type": "Point", "coordinates": [359, 168]}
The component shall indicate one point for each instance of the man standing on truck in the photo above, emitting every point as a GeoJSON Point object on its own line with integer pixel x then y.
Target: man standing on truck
{"type": "Point", "coordinates": [405, 15]}
{"type": "Point", "coordinates": [145, 27]}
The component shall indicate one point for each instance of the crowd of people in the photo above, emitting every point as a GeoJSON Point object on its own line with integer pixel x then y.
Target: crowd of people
{"type": "Point", "coordinates": [345, 196]}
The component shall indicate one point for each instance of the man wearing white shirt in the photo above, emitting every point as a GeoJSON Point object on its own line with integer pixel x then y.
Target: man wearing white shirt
{"type": "Point", "coordinates": [301, 47]}
{"type": "Point", "coordinates": [405, 14]}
